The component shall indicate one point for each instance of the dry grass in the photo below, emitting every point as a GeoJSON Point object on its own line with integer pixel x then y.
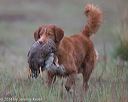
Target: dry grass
{"type": "Point", "coordinates": [112, 87]}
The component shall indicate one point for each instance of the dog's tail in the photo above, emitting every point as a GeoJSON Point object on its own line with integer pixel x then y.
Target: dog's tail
{"type": "Point", "coordinates": [94, 18]}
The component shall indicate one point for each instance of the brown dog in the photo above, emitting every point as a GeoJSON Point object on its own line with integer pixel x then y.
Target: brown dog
{"type": "Point", "coordinates": [76, 52]}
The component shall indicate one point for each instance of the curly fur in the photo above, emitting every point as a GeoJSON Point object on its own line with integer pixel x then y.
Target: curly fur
{"type": "Point", "coordinates": [94, 19]}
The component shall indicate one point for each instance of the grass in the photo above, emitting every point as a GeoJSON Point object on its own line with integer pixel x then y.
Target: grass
{"type": "Point", "coordinates": [113, 86]}
{"type": "Point", "coordinates": [122, 47]}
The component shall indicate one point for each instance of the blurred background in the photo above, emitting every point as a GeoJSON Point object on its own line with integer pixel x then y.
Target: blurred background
{"type": "Point", "coordinates": [20, 18]}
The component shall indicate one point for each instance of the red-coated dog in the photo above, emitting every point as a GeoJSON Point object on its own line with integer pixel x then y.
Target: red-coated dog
{"type": "Point", "coordinates": [76, 52]}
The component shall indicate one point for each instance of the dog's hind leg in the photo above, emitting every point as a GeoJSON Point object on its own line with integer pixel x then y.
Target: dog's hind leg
{"type": "Point", "coordinates": [89, 64]}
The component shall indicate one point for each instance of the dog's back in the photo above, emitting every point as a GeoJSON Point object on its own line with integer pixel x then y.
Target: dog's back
{"type": "Point", "coordinates": [74, 49]}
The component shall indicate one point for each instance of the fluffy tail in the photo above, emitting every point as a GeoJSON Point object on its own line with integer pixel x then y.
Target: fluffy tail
{"type": "Point", "coordinates": [94, 15]}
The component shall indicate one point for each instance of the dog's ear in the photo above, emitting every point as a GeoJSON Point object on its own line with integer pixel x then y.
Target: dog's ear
{"type": "Point", "coordinates": [38, 33]}
{"type": "Point", "coordinates": [59, 34]}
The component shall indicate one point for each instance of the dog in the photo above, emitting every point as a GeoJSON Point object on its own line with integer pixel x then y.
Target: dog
{"type": "Point", "coordinates": [76, 53]}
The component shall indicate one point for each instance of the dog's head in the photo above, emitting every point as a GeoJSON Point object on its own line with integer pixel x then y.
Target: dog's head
{"type": "Point", "coordinates": [50, 31]}
{"type": "Point", "coordinates": [46, 37]}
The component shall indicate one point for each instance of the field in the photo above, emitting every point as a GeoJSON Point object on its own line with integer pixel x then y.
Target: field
{"type": "Point", "coordinates": [20, 18]}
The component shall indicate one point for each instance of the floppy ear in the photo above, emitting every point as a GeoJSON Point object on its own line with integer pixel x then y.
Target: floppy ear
{"type": "Point", "coordinates": [59, 34]}
{"type": "Point", "coordinates": [37, 33]}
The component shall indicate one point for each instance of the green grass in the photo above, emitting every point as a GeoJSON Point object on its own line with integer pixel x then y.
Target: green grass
{"type": "Point", "coordinates": [113, 86]}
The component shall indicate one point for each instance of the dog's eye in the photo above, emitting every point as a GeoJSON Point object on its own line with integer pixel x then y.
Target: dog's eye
{"type": "Point", "coordinates": [50, 33]}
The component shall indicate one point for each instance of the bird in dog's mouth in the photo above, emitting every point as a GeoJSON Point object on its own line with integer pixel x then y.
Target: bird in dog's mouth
{"type": "Point", "coordinates": [43, 54]}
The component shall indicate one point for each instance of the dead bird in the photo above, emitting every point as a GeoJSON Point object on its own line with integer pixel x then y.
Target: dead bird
{"type": "Point", "coordinates": [43, 54]}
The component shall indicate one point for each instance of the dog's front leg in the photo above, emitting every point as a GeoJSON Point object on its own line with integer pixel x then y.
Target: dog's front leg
{"type": "Point", "coordinates": [51, 77]}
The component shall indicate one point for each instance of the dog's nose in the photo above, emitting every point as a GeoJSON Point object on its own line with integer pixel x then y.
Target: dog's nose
{"type": "Point", "coordinates": [42, 38]}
